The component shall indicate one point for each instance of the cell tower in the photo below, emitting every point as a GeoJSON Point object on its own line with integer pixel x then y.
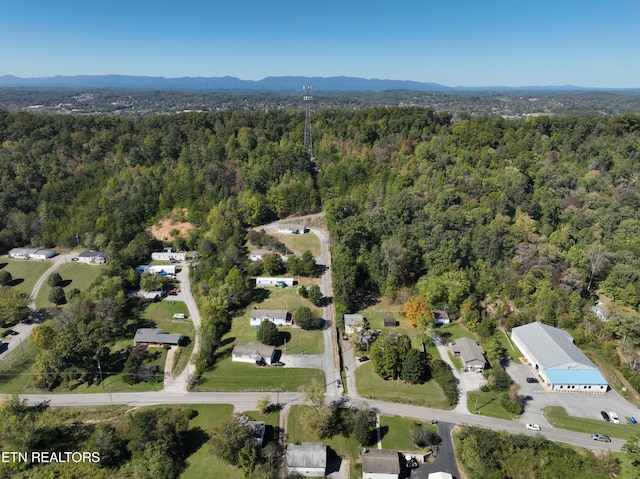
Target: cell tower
{"type": "Point", "coordinates": [307, 120]}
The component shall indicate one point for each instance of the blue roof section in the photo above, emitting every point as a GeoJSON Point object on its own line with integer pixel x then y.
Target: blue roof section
{"type": "Point", "coordinates": [575, 376]}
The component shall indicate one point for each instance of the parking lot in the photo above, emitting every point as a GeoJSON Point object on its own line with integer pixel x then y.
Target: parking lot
{"type": "Point", "coordinates": [576, 404]}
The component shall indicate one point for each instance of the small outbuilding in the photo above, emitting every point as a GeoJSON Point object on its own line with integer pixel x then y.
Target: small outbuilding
{"type": "Point", "coordinates": [471, 354]}
{"type": "Point", "coordinates": [390, 322]}
{"type": "Point", "coordinates": [155, 337]}
{"type": "Point", "coordinates": [441, 317]}
{"type": "Point", "coordinates": [309, 459]}
{"type": "Point", "coordinates": [253, 353]}
{"type": "Point", "coordinates": [381, 464]}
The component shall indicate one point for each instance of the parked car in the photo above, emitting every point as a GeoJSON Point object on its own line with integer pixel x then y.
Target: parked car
{"type": "Point", "coordinates": [277, 363]}
{"type": "Point", "coordinates": [614, 417]}
{"type": "Point", "coordinates": [532, 380]}
{"type": "Point", "coordinates": [600, 437]}
{"type": "Point", "coordinates": [363, 359]}
{"type": "Point", "coordinates": [533, 427]}
{"type": "Point", "coordinates": [179, 316]}
{"type": "Point", "coordinates": [605, 416]}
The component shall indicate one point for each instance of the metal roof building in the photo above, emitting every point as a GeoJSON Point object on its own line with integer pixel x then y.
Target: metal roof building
{"type": "Point", "coordinates": [307, 459]}
{"type": "Point", "coordinates": [551, 353]}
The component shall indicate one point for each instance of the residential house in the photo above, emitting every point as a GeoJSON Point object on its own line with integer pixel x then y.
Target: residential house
{"type": "Point", "coordinates": [308, 459]}
{"type": "Point", "coordinates": [381, 464]}
{"type": "Point", "coordinates": [265, 281]}
{"type": "Point", "coordinates": [557, 360]}
{"type": "Point", "coordinates": [162, 269]}
{"type": "Point", "coordinates": [353, 323]}
{"type": "Point", "coordinates": [292, 228]}
{"type": "Point", "coordinates": [93, 257]}
{"type": "Point", "coordinates": [253, 353]}
{"type": "Point", "coordinates": [155, 337]}
{"type": "Point", "coordinates": [441, 317]}
{"type": "Point", "coordinates": [471, 354]}
{"type": "Point", "coordinates": [168, 255]}
{"type": "Point", "coordinates": [31, 253]}
{"type": "Point", "coordinates": [279, 317]}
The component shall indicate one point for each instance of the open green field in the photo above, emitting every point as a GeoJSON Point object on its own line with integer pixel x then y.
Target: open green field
{"type": "Point", "coordinates": [15, 369]}
{"type": "Point", "coordinates": [297, 432]}
{"type": "Point", "coordinates": [385, 309]}
{"type": "Point", "coordinates": [396, 432]}
{"type": "Point", "coordinates": [25, 273]}
{"type": "Point", "coordinates": [74, 275]}
{"type": "Point", "coordinates": [282, 298]}
{"type": "Point", "coordinates": [557, 416]}
{"type": "Point", "coordinates": [161, 314]}
{"type": "Point", "coordinates": [487, 404]}
{"type": "Point", "coordinates": [228, 375]}
{"type": "Point", "coordinates": [372, 386]}
{"type": "Point", "coordinates": [299, 243]}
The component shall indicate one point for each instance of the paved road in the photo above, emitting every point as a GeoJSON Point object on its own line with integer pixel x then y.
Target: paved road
{"type": "Point", "coordinates": [23, 329]}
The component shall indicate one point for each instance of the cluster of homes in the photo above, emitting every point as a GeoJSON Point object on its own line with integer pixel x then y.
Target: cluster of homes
{"type": "Point", "coordinates": [309, 459]}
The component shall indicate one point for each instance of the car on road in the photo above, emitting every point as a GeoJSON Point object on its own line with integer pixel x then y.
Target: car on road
{"type": "Point", "coordinates": [614, 417]}
{"type": "Point", "coordinates": [532, 380]}
{"type": "Point", "coordinates": [532, 427]}
{"type": "Point", "coordinates": [363, 359]}
{"type": "Point", "coordinates": [605, 416]}
{"type": "Point", "coordinates": [600, 437]}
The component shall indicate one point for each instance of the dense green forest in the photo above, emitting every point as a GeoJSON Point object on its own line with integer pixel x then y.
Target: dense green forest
{"type": "Point", "coordinates": [500, 222]}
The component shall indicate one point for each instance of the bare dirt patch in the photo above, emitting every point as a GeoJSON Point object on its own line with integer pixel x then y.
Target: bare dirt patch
{"type": "Point", "coordinates": [172, 226]}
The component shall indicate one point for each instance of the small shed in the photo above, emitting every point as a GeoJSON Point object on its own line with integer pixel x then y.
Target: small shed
{"type": "Point", "coordinates": [390, 322]}
{"type": "Point", "coordinates": [441, 317]}
{"type": "Point", "coordinates": [308, 459]}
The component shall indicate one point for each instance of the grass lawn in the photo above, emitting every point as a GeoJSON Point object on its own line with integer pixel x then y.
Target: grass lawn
{"type": "Point", "coordinates": [453, 331]}
{"type": "Point", "coordinates": [456, 360]}
{"type": "Point", "coordinates": [297, 432]}
{"type": "Point", "coordinates": [396, 433]}
{"type": "Point", "coordinates": [372, 386]}
{"type": "Point", "coordinates": [385, 309]}
{"type": "Point", "coordinates": [74, 275]}
{"type": "Point", "coordinates": [488, 404]}
{"type": "Point", "coordinates": [283, 298]}
{"type": "Point", "coordinates": [512, 350]}
{"type": "Point", "coordinates": [300, 243]}
{"type": "Point", "coordinates": [235, 376]}
{"type": "Point", "coordinates": [15, 369]}
{"type": "Point", "coordinates": [25, 273]}
{"type": "Point", "coordinates": [557, 416]}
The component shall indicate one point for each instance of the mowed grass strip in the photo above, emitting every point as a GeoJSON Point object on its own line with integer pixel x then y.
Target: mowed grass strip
{"type": "Point", "coordinates": [74, 275]}
{"type": "Point", "coordinates": [372, 386]}
{"type": "Point", "coordinates": [15, 368]}
{"type": "Point", "coordinates": [299, 243]}
{"type": "Point", "coordinates": [557, 416]}
{"type": "Point", "coordinates": [488, 404]}
{"type": "Point", "coordinates": [396, 432]}
{"type": "Point", "coordinates": [25, 273]}
{"type": "Point", "coordinates": [228, 375]}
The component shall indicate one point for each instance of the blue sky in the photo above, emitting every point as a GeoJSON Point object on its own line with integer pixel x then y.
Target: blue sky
{"type": "Point", "coordinates": [589, 43]}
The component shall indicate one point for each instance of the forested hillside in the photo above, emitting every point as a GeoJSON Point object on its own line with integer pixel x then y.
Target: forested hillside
{"type": "Point", "coordinates": [499, 221]}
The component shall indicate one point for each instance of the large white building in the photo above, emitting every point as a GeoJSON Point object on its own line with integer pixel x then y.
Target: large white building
{"type": "Point", "coordinates": [552, 355]}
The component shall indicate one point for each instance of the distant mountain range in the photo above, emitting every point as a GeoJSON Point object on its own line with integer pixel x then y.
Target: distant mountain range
{"type": "Point", "coordinates": [284, 83]}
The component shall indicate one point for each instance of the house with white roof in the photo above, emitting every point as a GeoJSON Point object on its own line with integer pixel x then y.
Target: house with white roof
{"type": "Point", "coordinates": [309, 459]}
{"type": "Point", "coordinates": [554, 357]}
{"type": "Point", "coordinates": [279, 317]}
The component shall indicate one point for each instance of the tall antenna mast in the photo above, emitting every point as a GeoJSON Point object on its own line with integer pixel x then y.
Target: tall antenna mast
{"type": "Point", "coordinates": [307, 120]}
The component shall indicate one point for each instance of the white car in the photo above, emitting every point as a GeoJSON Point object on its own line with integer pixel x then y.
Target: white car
{"type": "Point", "coordinates": [614, 417]}
{"type": "Point", "coordinates": [533, 427]}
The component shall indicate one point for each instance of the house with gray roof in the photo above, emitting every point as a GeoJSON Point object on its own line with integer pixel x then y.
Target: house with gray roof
{"type": "Point", "coordinates": [555, 358]}
{"type": "Point", "coordinates": [381, 464]}
{"type": "Point", "coordinates": [309, 459]}
{"type": "Point", "coordinates": [353, 323]}
{"type": "Point", "coordinates": [253, 353]}
{"type": "Point", "coordinates": [292, 228]}
{"type": "Point", "coordinates": [155, 337]}
{"type": "Point", "coordinates": [93, 257]}
{"type": "Point", "coordinates": [279, 317]}
{"type": "Point", "coordinates": [471, 354]}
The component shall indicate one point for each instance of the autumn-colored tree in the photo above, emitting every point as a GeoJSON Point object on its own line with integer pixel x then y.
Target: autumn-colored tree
{"type": "Point", "coordinates": [417, 311]}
